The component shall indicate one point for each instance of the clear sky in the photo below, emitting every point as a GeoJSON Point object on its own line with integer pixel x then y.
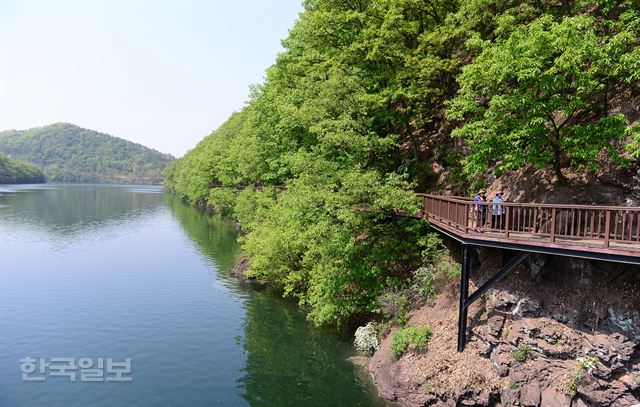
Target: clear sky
{"type": "Point", "coordinates": [160, 73]}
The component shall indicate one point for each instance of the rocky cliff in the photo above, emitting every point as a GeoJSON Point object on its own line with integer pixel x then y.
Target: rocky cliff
{"type": "Point", "coordinates": [555, 332]}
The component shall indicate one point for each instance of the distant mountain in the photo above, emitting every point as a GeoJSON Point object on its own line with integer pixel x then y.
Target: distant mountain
{"type": "Point", "coordinates": [14, 171]}
{"type": "Point", "coordinates": [68, 153]}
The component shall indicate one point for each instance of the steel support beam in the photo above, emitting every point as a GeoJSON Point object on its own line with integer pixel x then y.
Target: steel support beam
{"type": "Point", "coordinates": [588, 253]}
{"type": "Point", "coordinates": [464, 291]}
{"type": "Point", "coordinates": [466, 300]}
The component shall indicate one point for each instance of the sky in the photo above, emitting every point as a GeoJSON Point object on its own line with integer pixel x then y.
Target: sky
{"type": "Point", "coordinates": [160, 73]}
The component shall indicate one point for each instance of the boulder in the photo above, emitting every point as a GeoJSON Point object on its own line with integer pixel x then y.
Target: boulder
{"type": "Point", "coordinates": [494, 324]}
{"type": "Point", "coordinates": [530, 394]}
{"type": "Point", "coordinates": [526, 306]}
{"type": "Point", "coordinates": [628, 321]}
{"type": "Point", "coordinates": [501, 358]}
{"type": "Point", "coordinates": [552, 397]}
{"type": "Point", "coordinates": [502, 300]}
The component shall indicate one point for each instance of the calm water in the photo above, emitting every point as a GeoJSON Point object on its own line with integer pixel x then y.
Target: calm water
{"type": "Point", "coordinates": [130, 272]}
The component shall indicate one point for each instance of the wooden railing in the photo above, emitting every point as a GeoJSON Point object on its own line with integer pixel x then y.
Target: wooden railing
{"type": "Point", "coordinates": [595, 226]}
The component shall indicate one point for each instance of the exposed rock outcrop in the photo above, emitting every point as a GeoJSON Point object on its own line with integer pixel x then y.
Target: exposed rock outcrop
{"type": "Point", "coordinates": [556, 332]}
{"type": "Point", "coordinates": [240, 268]}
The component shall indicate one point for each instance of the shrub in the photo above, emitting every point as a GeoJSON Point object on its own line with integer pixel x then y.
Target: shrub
{"type": "Point", "coordinates": [414, 337]}
{"type": "Point", "coordinates": [366, 338]}
{"type": "Point", "coordinates": [394, 304]}
{"type": "Point", "coordinates": [222, 200]}
{"type": "Point", "coordinates": [588, 364]}
{"type": "Point", "coordinates": [572, 389]}
{"type": "Point", "coordinates": [585, 366]}
{"type": "Point", "coordinates": [522, 353]}
{"type": "Point", "coordinates": [400, 342]}
{"type": "Point", "coordinates": [439, 270]}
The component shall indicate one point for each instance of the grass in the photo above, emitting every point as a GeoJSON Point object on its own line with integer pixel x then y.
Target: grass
{"type": "Point", "coordinates": [414, 337]}
{"type": "Point", "coordinates": [513, 384]}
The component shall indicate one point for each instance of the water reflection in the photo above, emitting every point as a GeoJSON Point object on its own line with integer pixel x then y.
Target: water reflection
{"type": "Point", "coordinates": [289, 362]}
{"type": "Point", "coordinates": [69, 209]}
{"type": "Point", "coordinates": [292, 363]}
{"type": "Point", "coordinates": [214, 236]}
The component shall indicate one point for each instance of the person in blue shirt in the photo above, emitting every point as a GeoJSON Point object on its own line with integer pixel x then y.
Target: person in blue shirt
{"type": "Point", "coordinates": [481, 210]}
{"type": "Point", "coordinates": [497, 212]}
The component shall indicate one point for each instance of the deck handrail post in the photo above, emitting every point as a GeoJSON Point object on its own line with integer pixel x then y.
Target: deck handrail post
{"type": "Point", "coordinates": [506, 221]}
{"type": "Point", "coordinates": [424, 207]}
{"type": "Point", "coordinates": [553, 225]}
{"type": "Point", "coordinates": [467, 211]}
{"type": "Point", "coordinates": [607, 227]}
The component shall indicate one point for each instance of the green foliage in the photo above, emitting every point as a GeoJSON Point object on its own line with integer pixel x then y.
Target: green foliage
{"type": "Point", "coordinates": [513, 384]}
{"type": "Point", "coordinates": [588, 363]}
{"type": "Point", "coordinates": [571, 389]}
{"type": "Point", "coordinates": [14, 171]}
{"type": "Point", "coordinates": [522, 353]}
{"type": "Point", "coordinates": [633, 134]}
{"type": "Point", "coordinates": [357, 112]}
{"type": "Point", "coordinates": [540, 92]}
{"type": "Point", "coordinates": [400, 342]}
{"type": "Point", "coordinates": [412, 337]}
{"type": "Point", "coordinates": [320, 246]}
{"type": "Point", "coordinates": [68, 153]}
{"type": "Point", "coordinates": [223, 200]}
{"type": "Point", "coordinates": [438, 269]}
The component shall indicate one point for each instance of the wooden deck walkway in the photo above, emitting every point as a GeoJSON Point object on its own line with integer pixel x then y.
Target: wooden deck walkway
{"type": "Point", "coordinates": [607, 232]}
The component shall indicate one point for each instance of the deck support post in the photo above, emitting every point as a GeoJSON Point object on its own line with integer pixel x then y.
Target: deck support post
{"type": "Point", "coordinates": [464, 291]}
{"type": "Point", "coordinates": [466, 300]}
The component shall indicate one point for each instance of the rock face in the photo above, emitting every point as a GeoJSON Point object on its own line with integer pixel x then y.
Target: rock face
{"type": "Point", "coordinates": [559, 333]}
{"type": "Point", "coordinates": [239, 269]}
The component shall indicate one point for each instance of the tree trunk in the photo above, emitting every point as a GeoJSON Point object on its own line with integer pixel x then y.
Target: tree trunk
{"type": "Point", "coordinates": [414, 145]}
{"type": "Point", "coordinates": [605, 107]}
{"type": "Point", "coordinates": [557, 164]}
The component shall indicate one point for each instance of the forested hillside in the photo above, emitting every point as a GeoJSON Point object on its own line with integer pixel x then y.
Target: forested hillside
{"type": "Point", "coordinates": [14, 171]}
{"type": "Point", "coordinates": [69, 153]}
{"type": "Point", "coordinates": [373, 99]}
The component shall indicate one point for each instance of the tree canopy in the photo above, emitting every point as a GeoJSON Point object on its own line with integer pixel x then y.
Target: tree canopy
{"type": "Point", "coordinates": [68, 153]}
{"type": "Point", "coordinates": [369, 95]}
{"type": "Point", "coordinates": [540, 93]}
{"type": "Point", "coordinates": [14, 171]}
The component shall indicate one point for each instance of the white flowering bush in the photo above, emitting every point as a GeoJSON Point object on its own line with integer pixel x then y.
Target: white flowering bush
{"type": "Point", "coordinates": [366, 338]}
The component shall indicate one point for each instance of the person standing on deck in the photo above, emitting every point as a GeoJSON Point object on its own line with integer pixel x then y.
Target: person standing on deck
{"type": "Point", "coordinates": [497, 212]}
{"type": "Point", "coordinates": [481, 210]}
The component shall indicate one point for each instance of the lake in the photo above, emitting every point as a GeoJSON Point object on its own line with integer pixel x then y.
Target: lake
{"type": "Point", "coordinates": [120, 296]}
